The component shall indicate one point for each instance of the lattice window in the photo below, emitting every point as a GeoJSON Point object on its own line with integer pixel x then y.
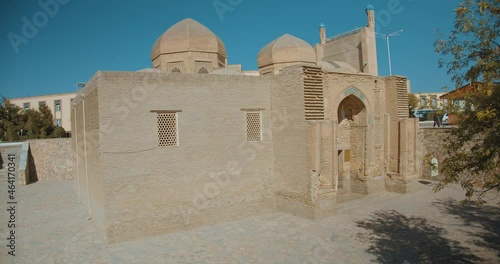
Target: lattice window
{"type": "Point", "coordinates": [176, 70]}
{"type": "Point", "coordinates": [167, 129]}
{"type": "Point", "coordinates": [254, 126]}
{"type": "Point", "coordinates": [202, 70]}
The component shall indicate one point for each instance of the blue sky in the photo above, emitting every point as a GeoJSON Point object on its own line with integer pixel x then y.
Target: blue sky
{"type": "Point", "coordinates": [78, 38]}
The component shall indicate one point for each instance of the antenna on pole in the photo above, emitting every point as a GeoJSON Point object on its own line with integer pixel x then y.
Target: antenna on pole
{"type": "Point", "coordinates": [386, 37]}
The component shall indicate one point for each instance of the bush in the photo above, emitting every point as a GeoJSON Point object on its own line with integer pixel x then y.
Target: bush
{"type": "Point", "coordinates": [59, 132]}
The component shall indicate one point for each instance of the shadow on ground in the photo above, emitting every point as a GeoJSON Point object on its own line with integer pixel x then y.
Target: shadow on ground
{"type": "Point", "coordinates": [33, 175]}
{"type": "Point", "coordinates": [485, 218]}
{"type": "Point", "coordinates": [396, 238]}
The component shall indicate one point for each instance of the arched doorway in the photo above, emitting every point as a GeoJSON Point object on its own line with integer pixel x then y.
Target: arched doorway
{"type": "Point", "coordinates": [352, 125]}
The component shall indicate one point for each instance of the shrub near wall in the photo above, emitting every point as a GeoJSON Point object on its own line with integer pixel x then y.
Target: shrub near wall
{"type": "Point", "coordinates": [51, 159]}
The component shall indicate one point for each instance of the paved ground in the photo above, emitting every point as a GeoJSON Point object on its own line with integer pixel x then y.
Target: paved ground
{"type": "Point", "coordinates": [429, 124]}
{"type": "Point", "coordinates": [421, 227]}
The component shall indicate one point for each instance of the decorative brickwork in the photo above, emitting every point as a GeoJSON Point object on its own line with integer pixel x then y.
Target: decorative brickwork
{"type": "Point", "coordinates": [202, 70]}
{"type": "Point", "coordinates": [402, 97]}
{"type": "Point", "coordinates": [313, 93]}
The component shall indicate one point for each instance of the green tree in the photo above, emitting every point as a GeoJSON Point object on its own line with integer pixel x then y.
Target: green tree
{"type": "Point", "coordinates": [10, 120]}
{"type": "Point", "coordinates": [33, 124]}
{"type": "Point", "coordinates": [472, 53]}
{"type": "Point", "coordinates": [47, 122]}
{"type": "Point", "coordinates": [413, 101]}
{"type": "Point", "coordinates": [59, 132]}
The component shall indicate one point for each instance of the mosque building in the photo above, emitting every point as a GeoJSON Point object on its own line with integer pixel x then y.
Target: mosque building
{"type": "Point", "coordinates": [194, 141]}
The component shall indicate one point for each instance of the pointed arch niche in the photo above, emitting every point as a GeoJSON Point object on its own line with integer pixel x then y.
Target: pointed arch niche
{"type": "Point", "coordinates": [352, 127]}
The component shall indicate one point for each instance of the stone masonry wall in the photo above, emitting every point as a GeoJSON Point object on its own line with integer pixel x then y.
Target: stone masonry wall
{"type": "Point", "coordinates": [431, 145]}
{"type": "Point", "coordinates": [51, 159]}
{"type": "Point", "coordinates": [213, 174]}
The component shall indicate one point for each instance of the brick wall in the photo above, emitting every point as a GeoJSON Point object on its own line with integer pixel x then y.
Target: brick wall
{"type": "Point", "coordinates": [431, 142]}
{"type": "Point", "coordinates": [51, 159]}
{"type": "Point", "coordinates": [88, 180]}
{"type": "Point", "coordinates": [214, 174]}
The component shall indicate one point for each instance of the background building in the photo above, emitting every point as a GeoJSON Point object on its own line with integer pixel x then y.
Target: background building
{"type": "Point", "coordinates": [59, 104]}
{"type": "Point", "coordinates": [457, 97]}
{"type": "Point", "coordinates": [430, 100]}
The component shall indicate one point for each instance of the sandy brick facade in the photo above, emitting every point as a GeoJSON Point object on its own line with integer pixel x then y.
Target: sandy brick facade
{"type": "Point", "coordinates": [215, 174]}
{"type": "Point", "coordinates": [158, 151]}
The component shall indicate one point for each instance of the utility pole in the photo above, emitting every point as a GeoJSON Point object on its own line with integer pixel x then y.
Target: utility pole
{"type": "Point", "coordinates": [386, 37]}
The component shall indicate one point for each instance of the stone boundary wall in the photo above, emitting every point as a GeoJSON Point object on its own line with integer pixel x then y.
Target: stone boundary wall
{"type": "Point", "coordinates": [51, 159]}
{"type": "Point", "coordinates": [21, 152]}
{"type": "Point", "coordinates": [431, 145]}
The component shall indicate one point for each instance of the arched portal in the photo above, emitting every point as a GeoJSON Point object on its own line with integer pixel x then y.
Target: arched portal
{"type": "Point", "coordinates": [351, 142]}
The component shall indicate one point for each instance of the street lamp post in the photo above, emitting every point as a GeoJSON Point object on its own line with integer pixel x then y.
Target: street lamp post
{"type": "Point", "coordinates": [387, 36]}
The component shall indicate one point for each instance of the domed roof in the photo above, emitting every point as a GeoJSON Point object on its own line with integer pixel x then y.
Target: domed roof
{"type": "Point", "coordinates": [188, 35]}
{"type": "Point", "coordinates": [370, 8]}
{"type": "Point", "coordinates": [286, 48]}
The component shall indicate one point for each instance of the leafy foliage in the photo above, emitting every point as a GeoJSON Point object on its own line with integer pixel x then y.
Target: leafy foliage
{"type": "Point", "coordinates": [47, 122]}
{"type": "Point", "coordinates": [59, 132]}
{"type": "Point", "coordinates": [10, 120]}
{"type": "Point", "coordinates": [472, 53]}
{"type": "Point", "coordinates": [412, 101]}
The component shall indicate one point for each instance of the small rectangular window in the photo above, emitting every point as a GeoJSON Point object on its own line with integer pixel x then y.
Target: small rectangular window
{"type": "Point", "coordinates": [26, 106]}
{"type": "Point", "coordinates": [254, 126]}
{"type": "Point", "coordinates": [41, 103]}
{"type": "Point", "coordinates": [57, 105]}
{"type": "Point", "coordinates": [167, 129]}
{"type": "Point", "coordinates": [423, 100]}
{"type": "Point", "coordinates": [434, 101]}
{"type": "Point", "coordinates": [58, 122]}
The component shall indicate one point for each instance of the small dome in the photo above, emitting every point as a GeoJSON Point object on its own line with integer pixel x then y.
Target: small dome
{"type": "Point", "coordinates": [188, 35]}
{"type": "Point", "coordinates": [322, 25]}
{"type": "Point", "coordinates": [370, 8]}
{"type": "Point", "coordinates": [286, 48]}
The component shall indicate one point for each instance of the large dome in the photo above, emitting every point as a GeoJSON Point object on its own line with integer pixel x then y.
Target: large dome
{"type": "Point", "coordinates": [188, 35]}
{"type": "Point", "coordinates": [286, 48]}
